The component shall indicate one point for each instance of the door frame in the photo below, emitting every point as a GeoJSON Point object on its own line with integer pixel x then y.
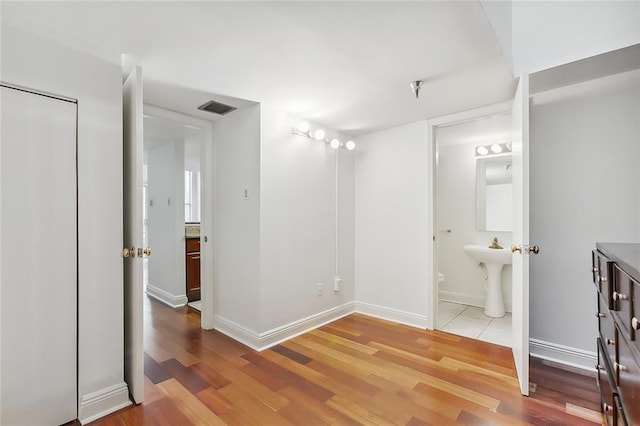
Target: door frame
{"type": "Point", "coordinates": [207, 285]}
{"type": "Point", "coordinates": [432, 225]}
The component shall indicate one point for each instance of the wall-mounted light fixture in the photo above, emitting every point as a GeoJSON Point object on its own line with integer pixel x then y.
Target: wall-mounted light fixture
{"type": "Point", "coordinates": [304, 129]}
{"type": "Point", "coordinates": [493, 149]}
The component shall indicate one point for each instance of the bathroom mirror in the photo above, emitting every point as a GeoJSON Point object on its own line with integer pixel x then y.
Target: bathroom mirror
{"type": "Point", "coordinates": [494, 194]}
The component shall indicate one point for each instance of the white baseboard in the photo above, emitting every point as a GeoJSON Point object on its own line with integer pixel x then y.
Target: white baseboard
{"type": "Point", "coordinates": [563, 355]}
{"type": "Point", "coordinates": [105, 401]}
{"type": "Point", "coordinates": [262, 341]}
{"type": "Point", "coordinates": [467, 299]}
{"type": "Point", "coordinates": [175, 301]}
{"type": "Point", "coordinates": [394, 315]}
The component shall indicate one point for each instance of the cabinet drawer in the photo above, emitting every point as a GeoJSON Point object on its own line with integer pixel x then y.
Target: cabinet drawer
{"type": "Point", "coordinates": [607, 328]}
{"type": "Point", "coordinates": [621, 418]}
{"type": "Point", "coordinates": [607, 386]}
{"type": "Point", "coordinates": [602, 273]}
{"type": "Point", "coordinates": [623, 300]}
{"type": "Point", "coordinates": [628, 373]}
{"type": "Point", "coordinates": [192, 245]}
{"type": "Point", "coordinates": [634, 325]}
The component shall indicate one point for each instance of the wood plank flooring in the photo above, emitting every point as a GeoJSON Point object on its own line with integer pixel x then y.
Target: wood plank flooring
{"type": "Point", "coordinates": [357, 370]}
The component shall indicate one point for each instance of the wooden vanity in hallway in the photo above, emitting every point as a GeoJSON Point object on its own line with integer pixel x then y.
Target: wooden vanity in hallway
{"type": "Point", "coordinates": [192, 259]}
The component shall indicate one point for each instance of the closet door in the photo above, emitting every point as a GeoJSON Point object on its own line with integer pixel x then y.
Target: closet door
{"type": "Point", "coordinates": [38, 259]}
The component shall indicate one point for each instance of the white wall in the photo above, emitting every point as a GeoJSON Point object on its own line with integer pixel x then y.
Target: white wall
{"type": "Point", "coordinates": [236, 226]}
{"type": "Point", "coordinates": [538, 35]}
{"type": "Point", "coordinates": [585, 146]}
{"type": "Point", "coordinates": [166, 223]}
{"type": "Point", "coordinates": [298, 223]}
{"type": "Point", "coordinates": [392, 216]}
{"type": "Point", "coordinates": [456, 210]}
{"type": "Point", "coordinates": [44, 65]}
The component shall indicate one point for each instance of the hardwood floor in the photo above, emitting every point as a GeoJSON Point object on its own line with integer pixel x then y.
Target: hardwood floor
{"type": "Point", "coordinates": [357, 370]}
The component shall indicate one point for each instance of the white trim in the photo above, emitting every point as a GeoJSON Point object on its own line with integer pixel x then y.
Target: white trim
{"type": "Point", "coordinates": [207, 285]}
{"type": "Point", "coordinates": [105, 401]}
{"type": "Point", "coordinates": [468, 299]}
{"type": "Point", "coordinates": [262, 341]}
{"type": "Point", "coordinates": [564, 355]}
{"type": "Point", "coordinates": [175, 301]}
{"type": "Point", "coordinates": [394, 315]}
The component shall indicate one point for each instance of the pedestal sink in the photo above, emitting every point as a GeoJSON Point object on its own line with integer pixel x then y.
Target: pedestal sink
{"type": "Point", "coordinates": [493, 260]}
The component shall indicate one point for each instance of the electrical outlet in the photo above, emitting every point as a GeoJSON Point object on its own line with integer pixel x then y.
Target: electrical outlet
{"type": "Point", "coordinates": [319, 288]}
{"type": "Point", "coordinates": [336, 284]}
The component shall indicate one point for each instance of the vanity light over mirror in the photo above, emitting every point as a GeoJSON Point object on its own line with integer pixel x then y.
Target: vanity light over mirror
{"type": "Point", "coordinates": [494, 193]}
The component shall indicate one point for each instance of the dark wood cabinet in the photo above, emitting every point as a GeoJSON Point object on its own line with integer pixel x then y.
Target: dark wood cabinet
{"type": "Point", "coordinates": [616, 274]}
{"type": "Point", "coordinates": [192, 250]}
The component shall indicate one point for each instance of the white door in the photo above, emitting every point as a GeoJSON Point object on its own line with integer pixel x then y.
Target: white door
{"type": "Point", "coordinates": [132, 218]}
{"type": "Point", "coordinates": [39, 260]}
{"type": "Point", "coordinates": [520, 290]}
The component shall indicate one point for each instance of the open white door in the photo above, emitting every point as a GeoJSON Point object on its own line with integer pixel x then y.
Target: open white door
{"type": "Point", "coordinates": [132, 217]}
{"type": "Point", "coordinates": [520, 248]}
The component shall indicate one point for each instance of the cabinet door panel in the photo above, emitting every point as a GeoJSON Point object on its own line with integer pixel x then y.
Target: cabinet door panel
{"type": "Point", "coordinates": [602, 270]}
{"type": "Point", "coordinates": [623, 300]}
{"type": "Point", "coordinates": [607, 386]}
{"type": "Point", "coordinates": [628, 382]}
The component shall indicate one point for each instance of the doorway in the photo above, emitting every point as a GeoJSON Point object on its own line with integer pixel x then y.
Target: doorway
{"type": "Point", "coordinates": [473, 207]}
{"type": "Point", "coordinates": [172, 210]}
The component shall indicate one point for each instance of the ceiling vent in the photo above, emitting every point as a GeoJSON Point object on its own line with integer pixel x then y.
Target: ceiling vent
{"type": "Point", "coordinates": [216, 108]}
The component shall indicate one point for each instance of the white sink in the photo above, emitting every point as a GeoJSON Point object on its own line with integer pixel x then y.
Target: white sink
{"type": "Point", "coordinates": [493, 260]}
{"type": "Point", "coordinates": [487, 255]}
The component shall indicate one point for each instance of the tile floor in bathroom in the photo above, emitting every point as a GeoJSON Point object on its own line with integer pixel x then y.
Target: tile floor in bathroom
{"type": "Point", "coordinates": [470, 321]}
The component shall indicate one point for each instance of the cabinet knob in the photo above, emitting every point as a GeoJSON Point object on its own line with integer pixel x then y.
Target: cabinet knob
{"type": "Point", "coordinates": [600, 315]}
{"type": "Point", "coordinates": [610, 342]}
{"type": "Point", "coordinates": [621, 367]}
{"type": "Point", "coordinates": [606, 407]}
{"type": "Point", "coordinates": [602, 279]}
{"type": "Point", "coordinates": [620, 296]}
{"type": "Point", "coordinates": [635, 324]}
{"type": "Point", "coordinates": [599, 367]}
{"type": "Point", "coordinates": [594, 269]}
{"type": "Point", "coordinates": [516, 249]}
{"type": "Point", "coordinates": [147, 251]}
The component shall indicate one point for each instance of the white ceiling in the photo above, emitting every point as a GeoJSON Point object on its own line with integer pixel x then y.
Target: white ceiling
{"type": "Point", "coordinates": [346, 65]}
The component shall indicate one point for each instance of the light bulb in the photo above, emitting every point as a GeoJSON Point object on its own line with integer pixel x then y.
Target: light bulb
{"type": "Point", "coordinates": [350, 145]}
{"type": "Point", "coordinates": [482, 150]}
{"type": "Point", "coordinates": [303, 127]}
{"type": "Point", "coordinates": [335, 143]}
{"type": "Point", "coordinates": [496, 149]}
{"type": "Point", "coordinates": [318, 135]}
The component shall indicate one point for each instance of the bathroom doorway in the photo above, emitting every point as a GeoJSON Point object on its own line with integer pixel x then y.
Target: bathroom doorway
{"type": "Point", "coordinates": [472, 207]}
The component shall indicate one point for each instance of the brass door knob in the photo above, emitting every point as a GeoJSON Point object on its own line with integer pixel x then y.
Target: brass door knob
{"type": "Point", "coordinates": [516, 249]}
{"type": "Point", "coordinates": [147, 251]}
{"type": "Point", "coordinates": [129, 252]}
